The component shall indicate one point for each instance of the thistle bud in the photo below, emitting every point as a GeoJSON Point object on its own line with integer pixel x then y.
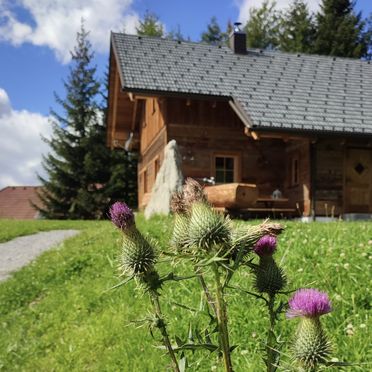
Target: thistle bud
{"type": "Point", "coordinates": [207, 228]}
{"type": "Point", "coordinates": [121, 216]}
{"type": "Point", "coordinates": [311, 345]}
{"type": "Point", "coordinates": [269, 277]}
{"type": "Point", "coordinates": [138, 255]}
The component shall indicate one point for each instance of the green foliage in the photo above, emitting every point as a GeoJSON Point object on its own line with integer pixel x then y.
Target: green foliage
{"type": "Point", "coordinates": [84, 175]}
{"type": "Point", "coordinates": [262, 27]}
{"type": "Point", "coordinates": [77, 166]}
{"type": "Point", "coordinates": [340, 31]}
{"type": "Point", "coordinates": [297, 29]}
{"type": "Point", "coordinates": [55, 313]}
{"type": "Point", "coordinates": [150, 26]}
{"type": "Point", "coordinates": [214, 35]}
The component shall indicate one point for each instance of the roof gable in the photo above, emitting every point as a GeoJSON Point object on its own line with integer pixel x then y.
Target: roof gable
{"type": "Point", "coordinates": [273, 90]}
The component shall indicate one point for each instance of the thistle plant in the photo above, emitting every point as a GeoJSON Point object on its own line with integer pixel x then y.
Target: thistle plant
{"type": "Point", "coordinates": [212, 243]}
{"type": "Point", "coordinates": [311, 346]}
{"type": "Point", "coordinates": [217, 249]}
{"type": "Point", "coordinates": [138, 260]}
{"type": "Point", "coordinates": [269, 281]}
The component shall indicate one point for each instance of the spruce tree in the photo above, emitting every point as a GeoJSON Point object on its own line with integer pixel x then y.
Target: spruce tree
{"type": "Point", "coordinates": [77, 165]}
{"type": "Point", "coordinates": [263, 26]}
{"type": "Point", "coordinates": [340, 30]}
{"type": "Point", "coordinates": [150, 25]}
{"type": "Point", "coordinates": [214, 35]}
{"type": "Point", "coordinates": [297, 29]}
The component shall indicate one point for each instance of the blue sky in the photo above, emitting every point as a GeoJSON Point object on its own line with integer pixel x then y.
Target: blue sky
{"type": "Point", "coordinates": [35, 39]}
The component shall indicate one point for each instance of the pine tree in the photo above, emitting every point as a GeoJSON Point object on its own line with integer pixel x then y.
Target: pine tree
{"type": "Point", "coordinates": [263, 26]}
{"type": "Point", "coordinates": [297, 29]}
{"type": "Point", "coordinates": [150, 26]}
{"type": "Point", "coordinates": [176, 34]}
{"type": "Point", "coordinates": [77, 166]}
{"type": "Point", "coordinates": [340, 30]}
{"type": "Point", "coordinates": [214, 35]}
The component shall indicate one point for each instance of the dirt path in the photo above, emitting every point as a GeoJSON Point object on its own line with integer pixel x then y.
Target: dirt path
{"type": "Point", "coordinates": [20, 251]}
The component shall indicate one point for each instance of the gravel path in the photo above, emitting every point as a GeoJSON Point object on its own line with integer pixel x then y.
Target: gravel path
{"type": "Point", "coordinates": [21, 251]}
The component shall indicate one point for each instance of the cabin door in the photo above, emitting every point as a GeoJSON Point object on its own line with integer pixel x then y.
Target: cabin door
{"type": "Point", "coordinates": [358, 181]}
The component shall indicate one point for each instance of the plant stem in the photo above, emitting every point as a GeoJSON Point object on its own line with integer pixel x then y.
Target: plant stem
{"type": "Point", "coordinates": [271, 353]}
{"type": "Point", "coordinates": [163, 329]}
{"type": "Point", "coordinates": [207, 293]}
{"type": "Point", "coordinates": [222, 321]}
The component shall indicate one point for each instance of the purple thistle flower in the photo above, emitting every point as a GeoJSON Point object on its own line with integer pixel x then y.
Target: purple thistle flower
{"type": "Point", "coordinates": [265, 246]}
{"type": "Point", "coordinates": [309, 302]}
{"type": "Point", "coordinates": [121, 216]}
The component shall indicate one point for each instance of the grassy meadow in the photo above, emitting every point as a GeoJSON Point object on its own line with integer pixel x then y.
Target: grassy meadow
{"type": "Point", "coordinates": [57, 315]}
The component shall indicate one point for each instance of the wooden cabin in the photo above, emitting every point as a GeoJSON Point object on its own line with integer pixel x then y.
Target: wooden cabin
{"type": "Point", "coordinates": [300, 124]}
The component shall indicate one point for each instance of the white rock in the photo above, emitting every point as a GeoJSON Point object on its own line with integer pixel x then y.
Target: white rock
{"type": "Point", "coordinates": [168, 180]}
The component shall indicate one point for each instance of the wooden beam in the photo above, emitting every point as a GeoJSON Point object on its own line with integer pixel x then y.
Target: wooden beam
{"type": "Point", "coordinates": [131, 97]}
{"type": "Point", "coordinates": [240, 114]}
{"type": "Point", "coordinates": [115, 108]}
{"type": "Point", "coordinates": [254, 135]}
{"type": "Point", "coordinates": [134, 115]}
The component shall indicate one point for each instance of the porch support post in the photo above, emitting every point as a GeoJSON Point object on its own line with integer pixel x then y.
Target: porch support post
{"type": "Point", "coordinates": [313, 170]}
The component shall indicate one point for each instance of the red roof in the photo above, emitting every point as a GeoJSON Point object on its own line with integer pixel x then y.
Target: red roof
{"type": "Point", "coordinates": [15, 202]}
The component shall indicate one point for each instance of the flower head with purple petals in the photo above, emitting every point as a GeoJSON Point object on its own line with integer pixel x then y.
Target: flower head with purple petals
{"type": "Point", "coordinates": [121, 216]}
{"type": "Point", "coordinates": [309, 302]}
{"type": "Point", "coordinates": [265, 246]}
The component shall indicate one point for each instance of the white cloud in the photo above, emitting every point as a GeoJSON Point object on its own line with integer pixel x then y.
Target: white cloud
{"type": "Point", "coordinates": [245, 5]}
{"type": "Point", "coordinates": [55, 22]}
{"type": "Point", "coordinates": [21, 145]}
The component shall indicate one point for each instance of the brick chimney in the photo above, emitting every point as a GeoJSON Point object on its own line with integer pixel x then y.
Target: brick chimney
{"type": "Point", "coordinates": [238, 40]}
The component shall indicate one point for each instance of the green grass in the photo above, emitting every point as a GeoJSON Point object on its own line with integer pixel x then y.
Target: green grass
{"type": "Point", "coordinates": [10, 229]}
{"type": "Point", "coordinates": [55, 313]}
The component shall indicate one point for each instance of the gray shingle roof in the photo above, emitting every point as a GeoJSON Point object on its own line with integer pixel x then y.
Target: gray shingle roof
{"type": "Point", "coordinates": [273, 89]}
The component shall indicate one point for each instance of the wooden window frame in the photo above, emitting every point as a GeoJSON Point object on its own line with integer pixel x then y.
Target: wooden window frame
{"type": "Point", "coordinates": [157, 166]}
{"type": "Point", "coordinates": [227, 154]}
{"type": "Point", "coordinates": [295, 169]}
{"type": "Point", "coordinates": [145, 181]}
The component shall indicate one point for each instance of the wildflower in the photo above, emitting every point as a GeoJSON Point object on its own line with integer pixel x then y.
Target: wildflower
{"type": "Point", "coordinates": [121, 216]}
{"type": "Point", "coordinates": [270, 277]}
{"type": "Point", "coordinates": [309, 302]}
{"type": "Point", "coordinates": [265, 246]}
{"type": "Point", "coordinates": [311, 345]}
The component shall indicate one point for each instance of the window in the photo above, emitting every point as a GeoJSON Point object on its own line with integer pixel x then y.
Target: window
{"type": "Point", "coordinates": [225, 169]}
{"type": "Point", "coordinates": [145, 184]}
{"type": "Point", "coordinates": [294, 171]}
{"type": "Point", "coordinates": [156, 167]}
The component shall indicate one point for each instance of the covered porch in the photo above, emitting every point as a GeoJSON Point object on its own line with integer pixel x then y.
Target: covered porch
{"type": "Point", "coordinates": [296, 177]}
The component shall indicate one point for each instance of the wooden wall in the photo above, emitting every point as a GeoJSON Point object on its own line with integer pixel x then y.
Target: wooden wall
{"type": "Point", "coordinates": [214, 129]}
{"type": "Point", "coordinates": [120, 109]}
{"type": "Point", "coordinates": [329, 177]}
{"type": "Point", "coordinates": [153, 138]}
{"type": "Point", "coordinates": [298, 189]}
{"type": "Point", "coordinates": [338, 187]}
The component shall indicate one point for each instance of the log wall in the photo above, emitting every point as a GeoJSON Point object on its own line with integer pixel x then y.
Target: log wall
{"type": "Point", "coordinates": [298, 190]}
